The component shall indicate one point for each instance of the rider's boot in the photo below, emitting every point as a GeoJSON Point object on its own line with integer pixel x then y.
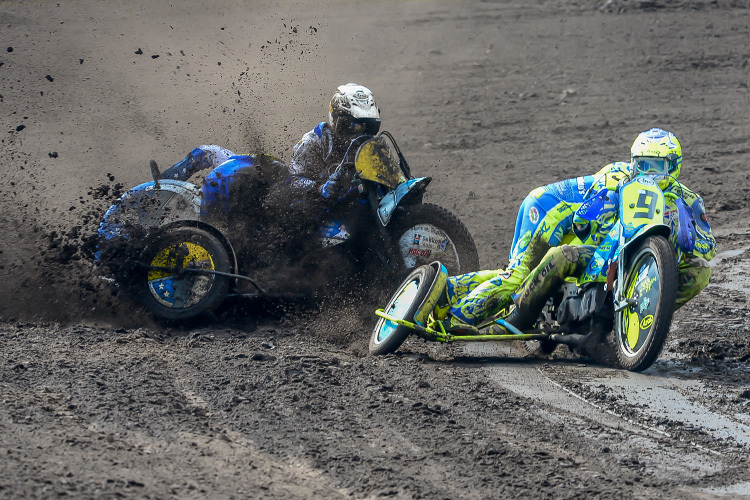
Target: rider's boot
{"type": "Point", "coordinates": [451, 325]}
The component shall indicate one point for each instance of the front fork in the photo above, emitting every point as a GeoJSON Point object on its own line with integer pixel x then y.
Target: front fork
{"type": "Point", "coordinates": [387, 252]}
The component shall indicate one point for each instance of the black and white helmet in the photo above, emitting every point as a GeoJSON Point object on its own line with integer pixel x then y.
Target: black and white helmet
{"type": "Point", "coordinates": [353, 111]}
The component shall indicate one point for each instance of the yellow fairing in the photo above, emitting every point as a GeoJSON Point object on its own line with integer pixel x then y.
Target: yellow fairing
{"type": "Point", "coordinates": [642, 203]}
{"type": "Point", "coordinates": [167, 257]}
{"type": "Point", "coordinates": [374, 162]}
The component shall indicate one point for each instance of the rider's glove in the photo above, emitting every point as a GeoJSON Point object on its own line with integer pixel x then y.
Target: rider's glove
{"type": "Point", "coordinates": [331, 190]}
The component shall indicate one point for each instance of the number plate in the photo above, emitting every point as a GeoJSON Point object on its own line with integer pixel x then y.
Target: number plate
{"type": "Point", "coordinates": [642, 204]}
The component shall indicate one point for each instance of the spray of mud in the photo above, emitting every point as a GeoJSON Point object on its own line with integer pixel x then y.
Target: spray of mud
{"type": "Point", "coordinates": [81, 131]}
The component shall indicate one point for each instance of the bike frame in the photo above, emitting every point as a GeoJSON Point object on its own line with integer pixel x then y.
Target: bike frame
{"type": "Point", "coordinates": [433, 335]}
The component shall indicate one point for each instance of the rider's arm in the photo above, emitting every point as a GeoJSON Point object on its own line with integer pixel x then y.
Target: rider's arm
{"type": "Point", "coordinates": [705, 245]}
{"type": "Point", "coordinates": [309, 160]}
{"type": "Point", "coordinates": [610, 175]}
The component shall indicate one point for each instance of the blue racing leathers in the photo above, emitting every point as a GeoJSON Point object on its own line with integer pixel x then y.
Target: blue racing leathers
{"type": "Point", "coordinates": [314, 160]}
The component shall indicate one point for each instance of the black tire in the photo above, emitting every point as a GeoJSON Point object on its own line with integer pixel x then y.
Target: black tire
{"type": "Point", "coordinates": [426, 233]}
{"type": "Point", "coordinates": [651, 279]}
{"type": "Point", "coordinates": [387, 336]}
{"type": "Point", "coordinates": [183, 296]}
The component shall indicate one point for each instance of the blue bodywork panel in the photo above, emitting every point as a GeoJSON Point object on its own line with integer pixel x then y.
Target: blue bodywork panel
{"type": "Point", "coordinates": [391, 200]}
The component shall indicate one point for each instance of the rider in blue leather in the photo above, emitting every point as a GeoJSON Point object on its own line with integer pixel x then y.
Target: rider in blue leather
{"type": "Point", "coordinates": [352, 112]}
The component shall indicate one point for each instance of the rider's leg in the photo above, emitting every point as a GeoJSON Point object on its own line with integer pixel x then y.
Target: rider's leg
{"type": "Point", "coordinates": [538, 208]}
{"type": "Point", "coordinates": [694, 273]}
{"type": "Point", "coordinates": [558, 264]}
{"type": "Point", "coordinates": [493, 293]}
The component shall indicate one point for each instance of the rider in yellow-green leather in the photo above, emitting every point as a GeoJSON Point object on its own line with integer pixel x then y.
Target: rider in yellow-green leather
{"type": "Point", "coordinates": [546, 248]}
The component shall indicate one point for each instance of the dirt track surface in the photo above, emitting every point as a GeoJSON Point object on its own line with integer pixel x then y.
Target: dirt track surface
{"type": "Point", "coordinates": [491, 99]}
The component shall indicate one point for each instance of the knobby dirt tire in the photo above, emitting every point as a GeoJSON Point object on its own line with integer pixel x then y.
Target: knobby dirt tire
{"type": "Point", "coordinates": [658, 249]}
{"type": "Point", "coordinates": [442, 219]}
{"type": "Point", "coordinates": [387, 336]}
{"type": "Point", "coordinates": [212, 289]}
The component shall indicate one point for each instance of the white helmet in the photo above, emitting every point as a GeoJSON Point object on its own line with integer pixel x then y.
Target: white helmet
{"type": "Point", "coordinates": [353, 111]}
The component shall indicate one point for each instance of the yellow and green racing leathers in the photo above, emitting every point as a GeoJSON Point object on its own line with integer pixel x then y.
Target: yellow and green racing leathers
{"type": "Point", "coordinates": [545, 221]}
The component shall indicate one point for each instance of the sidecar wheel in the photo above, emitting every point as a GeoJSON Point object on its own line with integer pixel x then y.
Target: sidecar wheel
{"type": "Point", "coordinates": [388, 336]}
{"type": "Point", "coordinates": [651, 282]}
{"type": "Point", "coordinates": [426, 233]}
{"type": "Point", "coordinates": [181, 296]}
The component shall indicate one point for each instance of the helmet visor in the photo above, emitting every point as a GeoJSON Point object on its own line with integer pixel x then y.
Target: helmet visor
{"type": "Point", "coordinates": [651, 166]}
{"type": "Point", "coordinates": [358, 126]}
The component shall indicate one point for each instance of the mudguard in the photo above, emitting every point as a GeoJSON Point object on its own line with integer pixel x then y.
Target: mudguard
{"type": "Point", "coordinates": [391, 200]}
{"type": "Point", "coordinates": [641, 234]}
{"type": "Point", "coordinates": [146, 206]}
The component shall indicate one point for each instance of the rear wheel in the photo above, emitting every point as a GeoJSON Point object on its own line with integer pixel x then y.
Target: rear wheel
{"type": "Point", "coordinates": [173, 289]}
{"type": "Point", "coordinates": [651, 286]}
{"type": "Point", "coordinates": [426, 233]}
{"type": "Point", "coordinates": [388, 336]}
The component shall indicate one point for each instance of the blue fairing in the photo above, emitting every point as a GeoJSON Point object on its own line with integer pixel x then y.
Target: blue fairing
{"type": "Point", "coordinates": [215, 191]}
{"type": "Point", "coordinates": [393, 198]}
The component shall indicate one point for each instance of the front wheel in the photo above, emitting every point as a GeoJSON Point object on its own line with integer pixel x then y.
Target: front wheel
{"type": "Point", "coordinates": [426, 233]}
{"type": "Point", "coordinates": [388, 336]}
{"type": "Point", "coordinates": [178, 283]}
{"type": "Point", "coordinates": [651, 287]}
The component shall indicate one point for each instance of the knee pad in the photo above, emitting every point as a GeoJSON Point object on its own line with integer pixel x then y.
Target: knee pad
{"type": "Point", "coordinates": [570, 252]}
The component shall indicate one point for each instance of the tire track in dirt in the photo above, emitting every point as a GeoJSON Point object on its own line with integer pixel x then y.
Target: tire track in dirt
{"type": "Point", "coordinates": [674, 416]}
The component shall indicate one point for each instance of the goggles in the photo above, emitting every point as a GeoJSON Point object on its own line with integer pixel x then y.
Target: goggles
{"type": "Point", "coordinates": [654, 165]}
{"type": "Point", "coordinates": [648, 165]}
{"type": "Point", "coordinates": [359, 126]}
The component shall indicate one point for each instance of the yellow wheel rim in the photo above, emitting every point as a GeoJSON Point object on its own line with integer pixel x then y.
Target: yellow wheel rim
{"type": "Point", "coordinates": [631, 318]}
{"type": "Point", "coordinates": [181, 291]}
{"type": "Point", "coordinates": [167, 257]}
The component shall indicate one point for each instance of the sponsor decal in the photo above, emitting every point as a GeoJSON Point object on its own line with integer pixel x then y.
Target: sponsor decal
{"type": "Point", "coordinates": [360, 96]}
{"type": "Point", "coordinates": [417, 239]}
{"type": "Point", "coordinates": [647, 322]}
{"type": "Point", "coordinates": [645, 287]}
{"type": "Point", "coordinates": [419, 252]}
{"type": "Point", "coordinates": [443, 245]}
{"type": "Point", "coordinates": [642, 274]}
{"type": "Point", "coordinates": [433, 240]}
{"type": "Point", "coordinates": [581, 185]}
{"type": "Point", "coordinates": [545, 227]}
{"type": "Point", "coordinates": [538, 278]}
{"type": "Point", "coordinates": [670, 217]}
{"type": "Point", "coordinates": [704, 217]}
{"type": "Point", "coordinates": [644, 304]}
{"type": "Point", "coordinates": [534, 215]}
